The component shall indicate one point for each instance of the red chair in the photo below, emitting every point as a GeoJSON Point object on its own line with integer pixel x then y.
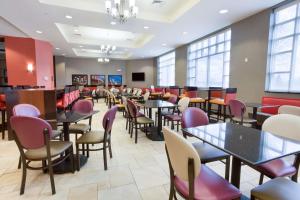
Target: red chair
{"type": "Point", "coordinates": [188, 177]}
{"type": "Point", "coordinates": [193, 117]}
{"type": "Point", "coordinates": [237, 111]}
{"type": "Point", "coordinates": [32, 136]}
{"type": "Point", "coordinates": [99, 137]}
{"type": "Point", "coordinates": [3, 90]}
{"type": "Point", "coordinates": [64, 102]}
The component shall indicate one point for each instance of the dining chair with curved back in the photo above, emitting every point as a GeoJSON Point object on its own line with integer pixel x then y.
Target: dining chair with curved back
{"type": "Point", "coordinates": [237, 110]}
{"type": "Point", "coordinates": [193, 117]}
{"type": "Point", "coordinates": [183, 104]}
{"type": "Point", "coordinates": [188, 177]}
{"type": "Point", "coordinates": [292, 110]}
{"type": "Point", "coordinates": [283, 125]}
{"type": "Point", "coordinates": [98, 137]}
{"type": "Point", "coordinates": [164, 112]}
{"type": "Point", "coordinates": [137, 120]}
{"type": "Point", "coordinates": [32, 136]}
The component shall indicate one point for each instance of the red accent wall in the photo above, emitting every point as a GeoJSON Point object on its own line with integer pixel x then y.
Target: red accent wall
{"type": "Point", "coordinates": [23, 51]}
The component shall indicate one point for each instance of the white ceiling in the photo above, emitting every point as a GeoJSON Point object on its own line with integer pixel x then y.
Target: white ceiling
{"type": "Point", "coordinates": [93, 27]}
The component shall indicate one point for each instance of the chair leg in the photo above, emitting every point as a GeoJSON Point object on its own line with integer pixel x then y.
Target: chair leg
{"type": "Point", "coordinates": [252, 197]}
{"type": "Point", "coordinates": [72, 159]}
{"type": "Point", "coordinates": [51, 175]}
{"type": "Point", "coordinates": [136, 133]}
{"type": "Point", "coordinates": [23, 179]}
{"type": "Point", "coordinates": [177, 126]}
{"type": "Point", "coordinates": [172, 125]}
{"type": "Point", "coordinates": [19, 164]}
{"type": "Point", "coordinates": [227, 168]}
{"type": "Point", "coordinates": [104, 156]}
{"type": "Point", "coordinates": [3, 124]}
{"type": "Point", "coordinates": [261, 179]}
{"type": "Point", "coordinates": [77, 157]}
{"type": "Point", "coordinates": [109, 148]}
{"type": "Point", "coordinates": [126, 123]}
{"type": "Point", "coordinates": [172, 192]}
{"type": "Point", "coordinates": [224, 113]}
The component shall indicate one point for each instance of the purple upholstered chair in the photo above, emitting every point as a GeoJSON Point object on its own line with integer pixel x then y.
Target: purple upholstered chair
{"type": "Point", "coordinates": [237, 111]}
{"type": "Point", "coordinates": [82, 106]}
{"type": "Point", "coordinates": [193, 117]}
{"type": "Point", "coordinates": [32, 136]}
{"type": "Point", "coordinates": [98, 137]}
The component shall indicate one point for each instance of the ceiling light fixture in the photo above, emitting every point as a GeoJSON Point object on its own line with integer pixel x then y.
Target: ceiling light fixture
{"type": "Point", "coordinates": [103, 60]}
{"type": "Point", "coordinates": [76, 30]}
{"type": "Point", "coordinates": [57, 48]}
{"type": "Point", "coordinates": [146, 27]}
{"type": "Point", "coordinates": [113, 23]}
{"type": "Point", "coordinates": [69, 17]}
{"type": "Point", "coordinates": [39, 32]}
{"type": "Point", "coordinates": [107, 49]}
{"type": "Point", "coordinates": [121, 9]}
{"type": "Point", "coordinates": [80, 46]}
{"type": "Point", "coordinates": [164, 44]}
{"type": "Point", "coordinates": [223, 11]}
{"type": "Point", "coordinates": [184, 33]}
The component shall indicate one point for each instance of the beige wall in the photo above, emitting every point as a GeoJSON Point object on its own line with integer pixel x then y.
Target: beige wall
{"type": "Point", "coordinates": [181, 66]}
{"type": "Point", "coordinates": [146, 66]}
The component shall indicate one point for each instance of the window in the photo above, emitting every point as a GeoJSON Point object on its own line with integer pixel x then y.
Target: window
{"type": "Point", "coordinates": [209, 61]}
{"type": "Point", "coordinates": [283, 70]}
{"type": "Point", "coordinates": [166, 70]}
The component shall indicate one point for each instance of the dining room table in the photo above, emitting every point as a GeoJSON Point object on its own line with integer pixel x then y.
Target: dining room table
{"type": "Point", "coordinates": [246, 145]}
{"type": "Point", "coordinates": [66, 118]}
{"type": "Point", "coordinates": [256, 106]}
{"type": "Point", "coordinates": [155, 132]}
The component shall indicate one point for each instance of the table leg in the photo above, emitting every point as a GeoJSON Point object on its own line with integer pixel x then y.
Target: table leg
{"type": "Point", "coordinates": [155, 133]}
{"type": "Point", "coordinates": [236, 171]}
{"type": "Point", "coordinates": [208, 104]}
{"type": "Point", "coordinates": [150, 113]}
{"type": "Point", "coordinates": [254, 113]}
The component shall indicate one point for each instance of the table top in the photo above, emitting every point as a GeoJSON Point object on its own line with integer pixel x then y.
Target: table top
{"type": "Point", "coordinates": [157, 104]}
{"type": "Point", "coordinates": [259, 105]}
{"type": "Point", "coordinates": [68, 117]}
{"type": "Point", "coordinates": [250, 145]}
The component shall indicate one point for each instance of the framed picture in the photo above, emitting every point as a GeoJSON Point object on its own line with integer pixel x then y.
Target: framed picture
{"type": "Point", "coordinates": [79, 79]}
{"type": "Point", "coordinates": [98, 80]}
{"type": "Point", "coordinates": [115, 80]}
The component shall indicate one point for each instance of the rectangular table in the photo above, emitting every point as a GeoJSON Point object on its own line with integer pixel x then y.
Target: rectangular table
{"type": "Point", "coordinates": [246, 145]}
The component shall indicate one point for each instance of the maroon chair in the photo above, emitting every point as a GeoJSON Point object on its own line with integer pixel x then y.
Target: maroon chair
{"type": "Point", "coordinates": [193, 117]}
{"type": "Point", "coordinates": [237, 111]}
{"type": "Point", "coordinates": [98, 137]}
{"type": "Point", "coordinates": [189, 178]}
{"type": "Point", "coordinates": [172, 99]}
{"type": "Point", "coordinates": [136, 121]}
{"type": "Point", "coordinates": [32, 136]}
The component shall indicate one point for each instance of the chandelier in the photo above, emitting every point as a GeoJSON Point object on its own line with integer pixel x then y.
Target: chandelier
{"type": "Point", "coordinates": [107, 49]}
{"type": "Point", "coordinates": [103, 60]}
{"type": "Point", "coordinates": [121, 9]}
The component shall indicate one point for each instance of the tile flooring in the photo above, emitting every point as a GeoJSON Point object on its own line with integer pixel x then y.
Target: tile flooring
{"type": "Point", "coordinates": [136, 171]}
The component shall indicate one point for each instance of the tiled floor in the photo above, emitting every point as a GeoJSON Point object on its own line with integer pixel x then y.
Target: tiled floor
{"type": "Point", "coordinates": [136, 171]}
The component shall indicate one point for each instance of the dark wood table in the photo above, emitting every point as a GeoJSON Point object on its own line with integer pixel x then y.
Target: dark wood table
{"type": "Point", "coordinates": [155, 132]}
{"type": "Point", "coordinates": [256, 106]}
{"type": "Point", "coordinates": [66, 118]}
{"type": "Point", "coordinates": [246, 145]}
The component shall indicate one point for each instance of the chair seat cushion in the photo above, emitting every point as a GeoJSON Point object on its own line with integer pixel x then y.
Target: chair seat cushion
{"type": "Point", "coordinates": [56, 148]}
{"type": "Point", "coordinates": [139, 114]}
{"type": "Point", "coordinates": [79, 128]}
{"type": "Point", "coordinates": [245, 120]}
{"type": "Point", "coordinates": [217, 101]}
{"type": "Point", "coordinates": [277, 189]}
{"type": "Point", "coordinates": [144, 120]}
{"type": "Point", "coordinates": [173, 117]}
{"type": "Point", "coordinates": [277, 168]}
{"type": "Point", "coordinates": [208, 185]}
{"type": "Point", "coordinates": [93, 137]}
{"type": "Point", "coordinates": [209, 153]}
{"type": "Point", "coordinates": [197, 100]}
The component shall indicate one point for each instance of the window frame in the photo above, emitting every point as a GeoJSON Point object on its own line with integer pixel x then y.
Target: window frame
{"type": "Point", "coordinates": [166, 66]}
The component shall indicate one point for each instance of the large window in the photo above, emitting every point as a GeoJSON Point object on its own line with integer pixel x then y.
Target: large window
{"type": "Point", "coordinates": [209, 61]}
{"type": "Point", "coordinates": [166, 70]}
{"type": "Point", "coordinates": [283, 71]}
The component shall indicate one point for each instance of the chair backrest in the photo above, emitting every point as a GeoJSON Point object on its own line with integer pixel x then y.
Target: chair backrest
{"type": "Point", "coordinates": [193, 117]}
{"type": "Point", "coordinates": [124, 101]}
{"type": "Point", "coordinates": [172, 99]}
{"type": "Point", "coordinates": [139, 92]}
{"type": "Point", "coordinates": [237, 108]}
{"type": "Point", "coordinates": [146, 96]}
{"type": "Point", "coordinates": [284, 125]}
{"type": "Point", "coordinates": [30, 131]}
{"type": "Point", "coordinates": [132, 109]}
{"type": "Point", "coordinates": [292, 110]}
{"type": "Point", "coordinates": [128, 90]}
{"type": "Point", "coordinates": [26, 110]}
{"type": "Point", "coordinates": [180, 151]}
{"type": "Point", "coordinates": [109, 118]}
{"type": "Point", "coordinates": [230, 94]}
{"type": "Point", "coordinates": [183, 103]}
{"type": "Point", "coordinates": [83, 106]}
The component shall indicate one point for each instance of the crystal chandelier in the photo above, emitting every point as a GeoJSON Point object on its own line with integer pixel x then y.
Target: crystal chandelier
{"type": "Point", "coordinates": [107, 49]}
{"type": "Point", "coordinates": [121, 9]}
{"type": "Point", "coordinates": [103, 60]}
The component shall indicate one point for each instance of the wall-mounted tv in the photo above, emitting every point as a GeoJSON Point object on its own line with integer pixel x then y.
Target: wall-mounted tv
{"type": "Point", "coordinates": [114, 80]}
{"type": "Point", "coordinates": [138, 76]}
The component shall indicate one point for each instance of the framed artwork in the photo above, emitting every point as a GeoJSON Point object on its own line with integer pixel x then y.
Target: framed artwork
{"type": "Point", "coordinates": [98, 80]}
{"type": "Point", "coordinates": [79, 79]}
{"type": "Point", "coordinates": [115, 80]}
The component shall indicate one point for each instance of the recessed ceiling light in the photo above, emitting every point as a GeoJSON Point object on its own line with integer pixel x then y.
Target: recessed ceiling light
{"type": "Point", "coordinates": [80, 46]}
{"type": "Point", "coordinates": [57, 48]}
{"type": "Point", "coordinates": [146, 27]}
{"type": "Point", "coordinates": [39, 32]}
{"type": "Point", "coordinates": [113, 23]}
{"type": "Point", "coordinates": [76, 30]}
{"type": "Point", "coordinates": [119, 70]}
{"type": "Point", "coordinates": [164, 44]}
{"type": "Point", "coordinates": [63, 54]}
{"type": "Point", "coordinates": [223, 11]}
{"type": "Point", "coordinates": [184, 33]}
{"type": "Point", "coordinates": [69, 17]}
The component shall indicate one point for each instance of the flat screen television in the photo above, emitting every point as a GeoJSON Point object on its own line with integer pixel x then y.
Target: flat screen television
{"type": "Point", "coordinates": [138, 76]}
